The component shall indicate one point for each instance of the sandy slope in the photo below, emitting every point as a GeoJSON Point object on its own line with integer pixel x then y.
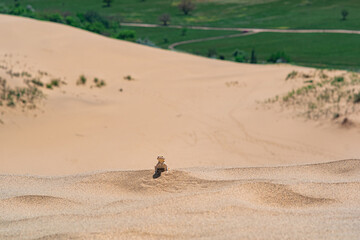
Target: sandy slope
{"type": "Point", "coordinates": [195, 111]}
{"type": "Point", "coordinates": [317, 202]}
{"type": "Point", "coordinates": [202, 114]}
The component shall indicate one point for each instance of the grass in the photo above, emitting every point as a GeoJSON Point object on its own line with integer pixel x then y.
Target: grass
{"type": "Point", "coordinates": [325, 97]}
{"type": "Point", "coordinates": [25, 97]}
{"type": "Point", "coordinates": [315, 50]}
{"type": "Point", "coordinates": [81, 81]}
{"type": "Point", "coordinates": [129, 78]}
{"type": "Point", "coordinates": [357, 97]}
{"type": "Point", "coordinates": [164, 36]}
{"type": "Point", "coordinates": [99, 83]}
{"type": "Point", "coordinates": [243, 13]}
{"type": "Point", "coordinates": [321, 50]}
{"type": "Point", "coordinates": [37, 82]}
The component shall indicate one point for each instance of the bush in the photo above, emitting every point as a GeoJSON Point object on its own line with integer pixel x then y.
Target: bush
{"type": "Point", "coordinates": [212, 53]}
{"type": "Point", "coordinates": [55, 17]}
{"type": "Point", "coordinates": [356, 97]}
{"type": "Point", "coordinates": [92, 17]}
{"type": "Point", "coordinates": [146, 42]}
{"type": "Point", "coordinates": [81, 81]}
{"type": "Point", "coordinates": [291, 75]}
{"type": "Point", "coordinates": [128, 77]}
{"type": "Point", "coordinates": [37, 82]}
{"type": "Point", "coordinates": [4, 8]}
{"type": "Point", "coordinates": [55, 82]}
{"type": "Point", "coordinates": [128, 35]}
{"type": "Point", "coordinates": [279, 57]}
{"type": "Point", "coordinates": [186, 6]}
{"type": "Point", "coordinates": [49, 86]}
{"type": "Point", "coordinates": [96, 27]}
{"type": "Point", "coordinates": [20, 11]}
{"type": "Point", "coordinates": [337, 80]}
{"type": "Point", "coordinates": [240, 56]}
{"type": "Point", "coordinates": [184, 31]}
{"type": "Point", "coordinates": [72, 21]}
{"type": "Point", "coordinates": [165, 19]}
{"type": "Point", "coordinates": [99, 83]}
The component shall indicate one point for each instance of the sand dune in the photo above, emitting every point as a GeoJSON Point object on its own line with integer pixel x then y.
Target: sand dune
{"type": "Point", "coordinates": [79, 164]}
{"type": "Point", "coordinates": [197, 112]}
{"type": "Point", "coordinates": [252, 203]}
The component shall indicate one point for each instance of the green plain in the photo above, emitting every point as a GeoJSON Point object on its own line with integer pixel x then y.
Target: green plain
{"type": "Point", "coordinates": [316, 50]}
{"type": "Point", "coordinates": [322, 50]}
{"type": "Point", "coordinates": [301, 14]}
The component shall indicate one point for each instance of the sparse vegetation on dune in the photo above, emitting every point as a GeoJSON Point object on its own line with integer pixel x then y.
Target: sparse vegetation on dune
{"type": "Point", "coordinates": [24, 97]}
{"type": "Point", "coordinates": [24, 90]}
{"type": "Point", "coordinates": [129, 78]}
{"type": "Point", "coordinates": [322, 96]}
{"type": "Point", "coordinates": [81, 81]}
{"type": "Point", "coordinates": [99, 83]}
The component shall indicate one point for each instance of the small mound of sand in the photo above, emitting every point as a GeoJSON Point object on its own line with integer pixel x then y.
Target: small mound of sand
{"type": "Point", "coordinates": [281, 195]}
{"type": "Point", "coordinates": [265, 203]}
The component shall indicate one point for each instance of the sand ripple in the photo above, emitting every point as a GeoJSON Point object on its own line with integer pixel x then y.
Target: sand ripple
{"type": "Point", "coordinates": [192, 203]}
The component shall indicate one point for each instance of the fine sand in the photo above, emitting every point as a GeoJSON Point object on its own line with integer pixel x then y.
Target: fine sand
{"type": "Point", "coordinates": [80, 165]}
{"type": "Point", "coordinates": [320, 201]}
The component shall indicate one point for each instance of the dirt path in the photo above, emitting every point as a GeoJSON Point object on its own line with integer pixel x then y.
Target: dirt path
{"type": "Point", "coordinates": [172, 46]}
{"type": "Point", "coordinates": [248, 31]}
{"type": "Point", "coordinates": [256, 30]}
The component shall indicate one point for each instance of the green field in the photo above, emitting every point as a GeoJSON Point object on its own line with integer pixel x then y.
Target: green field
{"type": "Point", "coordinates": [308, 49]}
{"type": "Point", "coordinates": [317, 50]}
{"type": "Point", "coordinates": [225, 13]}
{"type": "Point", "coordinates": [163, 36]}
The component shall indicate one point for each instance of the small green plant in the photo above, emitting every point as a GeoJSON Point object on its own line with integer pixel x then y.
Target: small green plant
{"type": "Point", "coordinates": [129, 78]}
{"type": "Point", "coordinates": [356, 98]}
{"type": "Point", "coordinates": [99, 83]}
{"type": "Point", "coordinates": [37, 82]}
{"type": "Point", "coordinates": [240, 56]}
{"type": "Point", "coordinates": [184, 31]}
{"type": "Point", "coordinates": [82, 80]}
{"type": "Point", "coordinates": [344, 14]}
{"type": "Point", "coordinates": [55, 82]}
{"type": "Point", "coordinates": [128, 35]}
{"type": "Point", "coordinates": [11, 103]}
{"type": "Point", "coordinates": [291, 75]}
{"type": "Point", "coordinates": [337, 80]}
{"type": "Point", "coordinates": [312, 106]}
{"type": "Point", "coordinates": [279, 57]}
{"type": "Point", "coordinates": [42, 73]}
{"type": "Point", "coordinates": [26, 74]}
{"type": "Point", "coordinates": [212, 53]}
{"type": "Point", "coordinates": [49, 86]}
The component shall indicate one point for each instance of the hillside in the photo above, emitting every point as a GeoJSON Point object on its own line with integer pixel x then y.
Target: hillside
{"type": "Point", "coordinates": [193, 110]}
